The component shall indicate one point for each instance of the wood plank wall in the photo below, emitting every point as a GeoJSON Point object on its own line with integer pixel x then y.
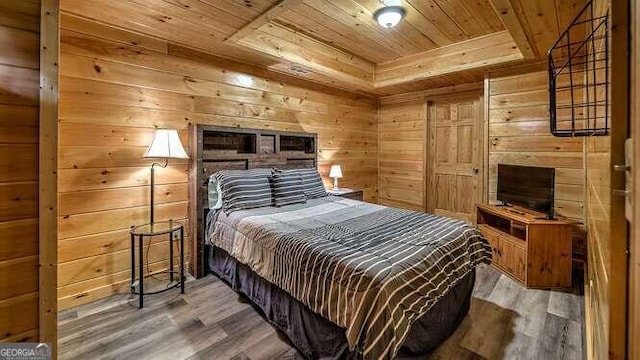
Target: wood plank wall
{"type": "Point", "coordinates": [597, 156]}
{"type": "Point", "coordinates": [48, 172]}
{"type": "Point", "coordinates": [519, 134]}
{"type": "Point", "coordinates": [402, 133]}
{"type": "Point", "coordinates": [597, 152]}
{"type": "Point", "coordinates": [19, 101]}
{"type": "Point", "coordinates": [116, 86]}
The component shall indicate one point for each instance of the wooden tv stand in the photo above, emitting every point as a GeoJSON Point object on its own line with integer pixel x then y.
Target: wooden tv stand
{"type": "Point", "coordinates": [529, 248]}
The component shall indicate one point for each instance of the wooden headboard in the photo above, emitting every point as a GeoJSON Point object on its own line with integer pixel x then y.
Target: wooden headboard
{"type": "Point", "coordinates": [218, 148]}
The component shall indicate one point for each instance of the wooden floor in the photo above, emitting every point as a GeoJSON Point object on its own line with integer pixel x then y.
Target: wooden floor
{"type": "Point", "coordinates": [210, 321]}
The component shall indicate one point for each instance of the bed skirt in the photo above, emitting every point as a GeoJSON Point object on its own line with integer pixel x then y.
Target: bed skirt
{"type": "Point", "coordinates": [318, 338]}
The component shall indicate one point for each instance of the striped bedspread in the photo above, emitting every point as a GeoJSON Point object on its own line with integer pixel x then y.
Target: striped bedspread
{"type": "Point", "coordinates": [368, 268]}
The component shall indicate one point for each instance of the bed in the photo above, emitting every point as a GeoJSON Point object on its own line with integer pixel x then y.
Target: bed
{"type": "Point", "coordinates": [343, 278]}
{"type": "Point", "coordinates": [371, 270]}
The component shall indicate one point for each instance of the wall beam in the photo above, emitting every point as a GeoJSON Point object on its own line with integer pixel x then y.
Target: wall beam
{"type": "Point", "coordinates": [48, 168]}
{"type": "Point", "coordinates": [634, 271]}
{"type": "Point", "coordinates": [618, 247]}
{"type": "Point", "coordinates": [510, 20]}
{"type": "Point", "coordinates": [262, 19]}
{"type": "Point", "coordinates": [461, 56]}
{"type": "Point", "coordinates": [283, 43]}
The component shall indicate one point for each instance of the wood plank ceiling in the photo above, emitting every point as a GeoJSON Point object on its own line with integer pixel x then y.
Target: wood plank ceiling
{"type": "Point", "coordinates": [338, 42]}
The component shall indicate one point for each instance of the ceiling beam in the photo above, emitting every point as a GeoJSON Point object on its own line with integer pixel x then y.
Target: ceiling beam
{"type": "Point", "coordinates": [311, 55]}
{"type": "Point", "coordinates": [306, 57]}
{"type": "Point", "coordinates": [510, 20]}
{"type": "Point", "coordinates": [479, 52]}
{"type": "Point", "coordinates": [262, 19]}
{"type": "Point", "coordinates": [426, 94]}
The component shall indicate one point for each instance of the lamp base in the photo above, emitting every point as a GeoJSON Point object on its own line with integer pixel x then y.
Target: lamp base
{"type": "Point", "coordinates": [335, 184]}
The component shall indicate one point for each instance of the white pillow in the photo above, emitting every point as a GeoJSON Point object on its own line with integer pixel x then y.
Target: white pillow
{"type": "Point", "coordinates": [215, 193]}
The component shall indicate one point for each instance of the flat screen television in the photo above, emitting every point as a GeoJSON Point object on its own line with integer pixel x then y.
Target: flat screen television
{"type": "Point", "coordinates": [531, 187]}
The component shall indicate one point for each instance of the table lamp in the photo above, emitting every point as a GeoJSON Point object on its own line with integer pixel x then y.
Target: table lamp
{"type": "Point", "coordinates": [166, 144]}
{"type": "Point", "coordinates": [335, 173]}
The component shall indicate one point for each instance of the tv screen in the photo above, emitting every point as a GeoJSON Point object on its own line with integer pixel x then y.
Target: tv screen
{"type": "Point", "coordinates": [527, 186]}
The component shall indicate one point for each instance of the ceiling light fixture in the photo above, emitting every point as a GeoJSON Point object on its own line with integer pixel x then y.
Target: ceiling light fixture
{"type": "Point", "coordinates": [244, 80]}
{"type": "Point", "coordinates": [389, 16]}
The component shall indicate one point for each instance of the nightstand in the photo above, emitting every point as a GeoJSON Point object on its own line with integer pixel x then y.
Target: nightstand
{"type": "Point", "coordinates": [347, 193]}
{"type": "Point", "coordinates": [149, 230]}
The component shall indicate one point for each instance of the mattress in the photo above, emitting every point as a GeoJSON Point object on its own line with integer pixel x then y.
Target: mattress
{"type": "Point", "coordinates": [370, 269]}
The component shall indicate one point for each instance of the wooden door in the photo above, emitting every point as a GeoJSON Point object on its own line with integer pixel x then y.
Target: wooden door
{"type": "Point", "coordinates": [454, 182]}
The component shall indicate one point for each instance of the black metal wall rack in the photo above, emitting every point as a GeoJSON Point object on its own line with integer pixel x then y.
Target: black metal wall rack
{"type": "Point", "coordinates": [579, 77]}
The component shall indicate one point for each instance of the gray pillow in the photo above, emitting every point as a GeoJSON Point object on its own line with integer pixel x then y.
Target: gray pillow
{"type": "Point", "coordinates": [287, 189]}
{"type": "Point", "coordinates": [244, 189]}
{"type": "Point", "coordinates": [311, 183]}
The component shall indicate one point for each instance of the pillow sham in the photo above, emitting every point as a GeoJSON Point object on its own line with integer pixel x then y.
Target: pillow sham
{"type": "Point", "coordinates": [312, 183]}
{"type": "Point", "coordinates": [244, 189]}
{"type": "Point", "coordinates": [287, 189]}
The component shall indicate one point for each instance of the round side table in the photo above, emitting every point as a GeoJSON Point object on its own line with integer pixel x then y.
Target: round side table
{"type": "Point", "coordinates": [148, 230]}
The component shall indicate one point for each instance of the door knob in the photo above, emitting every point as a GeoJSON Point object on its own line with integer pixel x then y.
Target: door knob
{"type": "Point", "coordinates": [475, 171]}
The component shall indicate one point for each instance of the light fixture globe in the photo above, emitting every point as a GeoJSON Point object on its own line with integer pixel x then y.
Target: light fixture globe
{"type": "Point", "coordinates": [389, 16]}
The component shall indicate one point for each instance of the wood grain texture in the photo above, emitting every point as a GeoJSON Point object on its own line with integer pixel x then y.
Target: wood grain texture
{"type": "Point", "coordinates": [505, 321]}
{"type": "Point", "coordinates": [329, 39]}
{"type": "Point", "coordinates": [455, 166]}
{"type": "Point", "coordinates": [48, 172]}
{"type": "Point", "coordinates": [218, 148]}
{"type": "Point", "coordinates": [404, 164]}
{"type": "Point", "coordinates": [264, 18]}
{"type": "Point", "coordinates": [426, 26]}
{"type": "Point", "coordinates": [402, 134]}
{"type": "Point", "coordinates": [281, 42]}
{"type": "Point", "coordinates": [598, 204]}
{"type": "Point", "coordinates": [618, 256]}
{"type": "Point", "coordinates": [634, 261]}
{"type": "Point", "coordinates": [510, 20]}
{"type": "Point", "coordinates": [519, 134]}
{"type": "Point", "coordinates": [19, 128]}
{"type": "Point", "coordinates": [534, 251]}
{"type": "Point", "coordinates": [426, 94]}
{"type": "Point", "coordinates": [496, 48]}
{"type": "Point", "coordinates": [606, 233]}
{"type": "Point", "coordinates": [117, 86]}
{"type": "Point", "coordinates": [19, 317]}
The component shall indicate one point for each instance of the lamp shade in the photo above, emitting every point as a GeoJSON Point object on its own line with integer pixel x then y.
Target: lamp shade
{"type": "Point", "coordinates": [166, 144]}
{"type": "Point", "coordinates": [335, 172]}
